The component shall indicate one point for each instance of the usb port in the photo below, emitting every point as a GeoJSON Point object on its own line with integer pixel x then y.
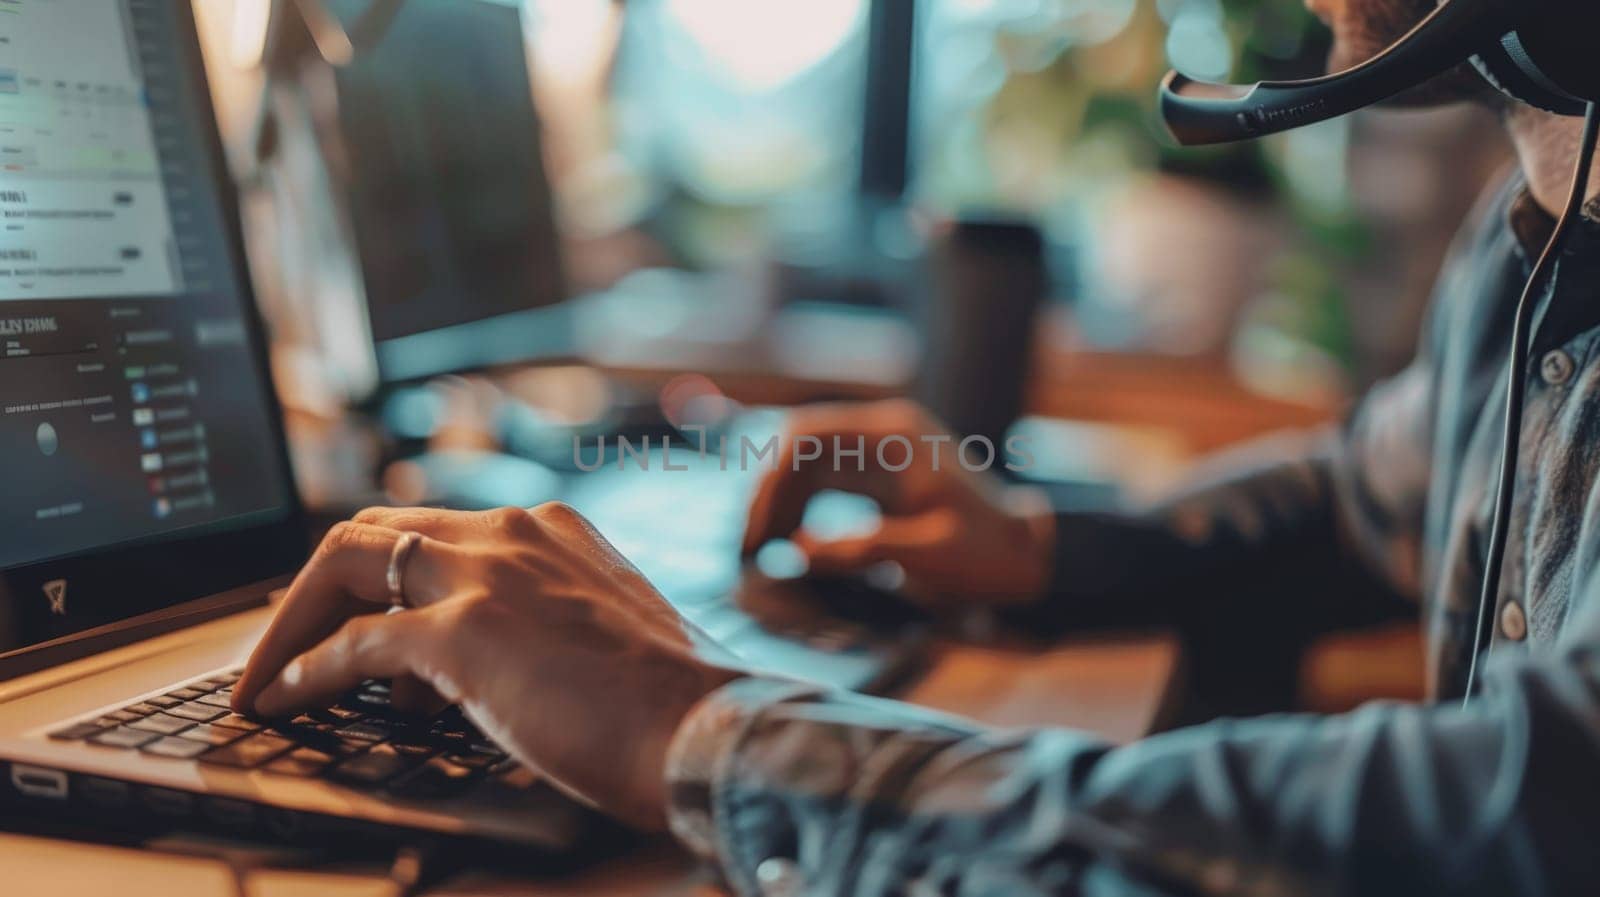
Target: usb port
{"type": "Point", "coordinates": [166, 802]}
{"type": "Point", "coordinates": [36, 781]}
{"type": "Point", "coordinates": [107, 793]}
{"type": "Point", "coordinates": [232, 813]}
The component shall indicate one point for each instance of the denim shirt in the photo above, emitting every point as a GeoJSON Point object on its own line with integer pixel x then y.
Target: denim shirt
{"type": "Point", "coordinates": [795, 791]}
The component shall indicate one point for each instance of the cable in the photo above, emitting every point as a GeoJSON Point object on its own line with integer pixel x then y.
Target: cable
{"type": "Point", "coordinates": [1521, 349]}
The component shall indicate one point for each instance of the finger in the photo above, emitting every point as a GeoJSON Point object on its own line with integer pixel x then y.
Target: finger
{"type": "Point", "coordinates": [435, 523]}
{"type": "Point", "coordinates": [369, 647]}
{"type": "Point", "coordinates": [907, 561]}
{"type": "Point", "coordinates": [777, 508]}
{"type": "Point", "coordinates": [347, 575]}
{"type": "Point", "coordinates": [848, 438]}
{"type": "Point", "coordinates": [843, 557]}
{"type": "Point", "coordinates": [908, 543]}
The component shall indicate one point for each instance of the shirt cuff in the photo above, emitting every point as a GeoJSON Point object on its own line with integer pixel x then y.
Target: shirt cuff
{"type": "Point", "coordinates": [704, 748]}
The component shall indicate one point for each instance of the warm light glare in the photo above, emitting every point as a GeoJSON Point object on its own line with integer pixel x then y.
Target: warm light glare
{"type": "Point", "coordinates": [571, 38]}
{"type": "Point", "coordinates": [250, 21]}
{"type": "Point", "coordinates": [764, 44]}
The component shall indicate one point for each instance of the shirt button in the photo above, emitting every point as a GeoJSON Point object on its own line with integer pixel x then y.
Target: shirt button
{"type": "Point", "coordinates": [1557, 367]}
{"type": "Point", "coordinates": [1513, 622]}
{"type": "Point", "coordinates": [778, 877]}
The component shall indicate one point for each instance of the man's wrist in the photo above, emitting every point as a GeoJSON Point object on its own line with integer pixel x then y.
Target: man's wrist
{"type": "Point", "coordinates": [703, 749]}
{"type": "Point", "coordinates": [672, 708]}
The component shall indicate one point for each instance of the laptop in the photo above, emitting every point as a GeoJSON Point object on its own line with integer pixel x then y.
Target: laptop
{"type": "Point", "coordinates": [150, 508]}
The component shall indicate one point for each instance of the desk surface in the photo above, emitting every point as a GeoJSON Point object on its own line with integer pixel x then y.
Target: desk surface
{"type": "Point", "coordinates": [1115, 687]}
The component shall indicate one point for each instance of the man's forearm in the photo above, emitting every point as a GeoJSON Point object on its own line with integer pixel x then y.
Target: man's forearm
{"type": "Point", "coordinates": [1267, 535]}
{"type": "Point", "coordinates": [842, 794]}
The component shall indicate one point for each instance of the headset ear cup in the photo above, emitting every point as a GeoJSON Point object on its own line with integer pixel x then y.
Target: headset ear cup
{"type": "Point", "coordinates": [1505, 74]}
{"type": "Point", "coordinates": [1548, 60]}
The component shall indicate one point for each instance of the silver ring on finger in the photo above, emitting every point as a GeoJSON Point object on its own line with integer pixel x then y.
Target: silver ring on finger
{"type": "Point", "coordinates": [396, 574]}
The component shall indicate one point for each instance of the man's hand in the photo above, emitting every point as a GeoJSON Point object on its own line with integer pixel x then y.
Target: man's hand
{"type": "Point", "coordinates": [549, 639]}
{"type": "Point", "coordinates": [962, 538]}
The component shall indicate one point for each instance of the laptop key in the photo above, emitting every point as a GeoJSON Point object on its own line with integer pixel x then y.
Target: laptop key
{"type": "Point", "coordinates": [434, 779]}
{"type": "Point", "coordinates": [164, 701]}
{"type": "Point", "coordinates": [248, 753]}
{"type": "Point", "coordinates": [235, 721]}
{"type": "Point", "coordinates": [303, 762]}
{"type": "Point", "coordinates": [121, 716]}
{"type": "Point", "coordinates": [455, 739]}
{"type": "Point", "coordinates": [77, 732]}
{"type": "Point", "coordinates": [178, 748]}
{"type": "Point", "coordinates": [414, 748]}
{"type": "Point", "coordinates": [345, 747]}
{"type": "Point", "coordinates": [366, 731]}
{"type": "Point", "coordinates": [369, 702]}
{"type": "Point", "coordinates": [212, 734]}
{"type": "Point", "coordinates": [187, 694]}
{"type": "Point", "coordinates": [200, 713]}
{"type": "Point", "coordinates": [123, 737]}
{"type": "Point", "coordinates": [142, 709]}
{"type": "Point", "coordinates": [223, 701]}
{"type": "Point", "coordinates": [161, 724]}
{"type": "Point", "coordinates": [326, 742]}
{"type": "Point", "coordinates": [372, 768]}
{"type": "Point", "coordinates": [473, 759]}
{"type": "Point", "coordinates": [308, 722]}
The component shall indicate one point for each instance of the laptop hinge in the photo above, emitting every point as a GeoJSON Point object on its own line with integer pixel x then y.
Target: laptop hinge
{"type": "Point", "coordinates": [126, 632]}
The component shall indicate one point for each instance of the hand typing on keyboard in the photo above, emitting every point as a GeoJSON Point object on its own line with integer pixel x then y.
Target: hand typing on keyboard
{"type": "Point", "coordinates": [362, 740]}
{"type": "Point", "coordinates": [548, 639]}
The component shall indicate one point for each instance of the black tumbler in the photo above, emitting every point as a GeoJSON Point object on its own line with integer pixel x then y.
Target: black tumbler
{"type": "Point", "coordinates": [989, 277]}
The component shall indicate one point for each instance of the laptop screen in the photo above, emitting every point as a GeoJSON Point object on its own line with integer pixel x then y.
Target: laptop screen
{"type": "Point", "coordinates": [132, 400]}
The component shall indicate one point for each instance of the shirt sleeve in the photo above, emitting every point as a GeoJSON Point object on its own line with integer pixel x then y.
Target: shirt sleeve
{"type": "Point", "coordinates": [1339, 510]}
{"type": "Point", "coordinates": [837, 794]}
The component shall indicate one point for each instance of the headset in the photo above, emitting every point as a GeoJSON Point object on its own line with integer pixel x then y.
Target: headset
{"type": "Point", "coordinates": [1539, 52]}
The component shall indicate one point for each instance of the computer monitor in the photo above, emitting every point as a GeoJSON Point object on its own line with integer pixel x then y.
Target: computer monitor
{"type": "Point", "coordinates": [451, 209]}
{"type": "Point", "coordinates": [143, 457]}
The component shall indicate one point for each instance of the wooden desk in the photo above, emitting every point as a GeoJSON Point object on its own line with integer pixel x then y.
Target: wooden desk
{"type": "Point", "coordinates": [1115, 687]}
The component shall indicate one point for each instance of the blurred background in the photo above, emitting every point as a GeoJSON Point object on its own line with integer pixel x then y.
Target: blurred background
{"type": "Point", "coordinates": [482, 230]}
{"type": "Point", "coordinates": [515, 251]}
{"type": "Point", "coordinates": [816, 149]}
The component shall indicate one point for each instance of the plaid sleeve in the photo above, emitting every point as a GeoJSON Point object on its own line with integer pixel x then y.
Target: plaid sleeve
{"type": "Point", "coordinates": [791, 791]}
{"type": "Point", "coordinates": [786, 789]}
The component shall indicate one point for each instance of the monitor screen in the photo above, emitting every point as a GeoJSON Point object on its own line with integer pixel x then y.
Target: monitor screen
{"type": "Point", "coordinates": [133, 402]}
{"type": "Point", "coordinates": [449, 201]}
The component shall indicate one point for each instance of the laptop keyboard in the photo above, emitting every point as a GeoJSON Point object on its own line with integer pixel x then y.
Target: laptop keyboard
{"type": "Point", "coordinates": [361, 741]}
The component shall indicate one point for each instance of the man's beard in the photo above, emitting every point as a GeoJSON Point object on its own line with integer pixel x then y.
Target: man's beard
{"type": "Point", "coordinates": [1363, 29]}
